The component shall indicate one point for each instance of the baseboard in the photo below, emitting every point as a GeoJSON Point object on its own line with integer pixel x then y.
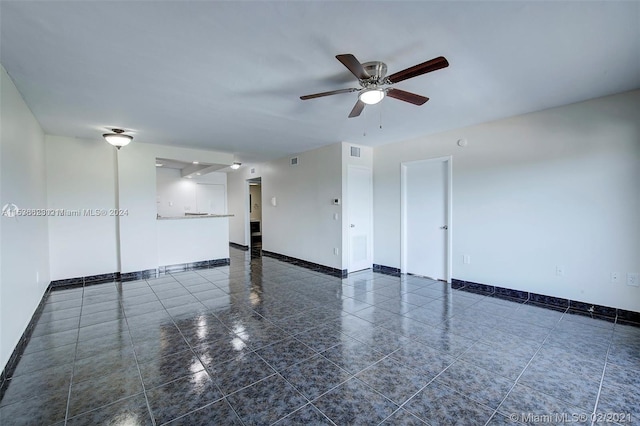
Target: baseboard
{"type": "Point", "coordinates": [183, 267]}
{"type": "Point", "coordinates": [137, 275]}
{"type": "Point", "coordinates": [12, 363]}
{"type": "Point", "coordinates": [238, 246]}
{"type": "Point", "coordinates": [340, 273]}
{"type": "Point", "coordinates": [387, 270]}
{"type": "Point", "coordinates": [575, 307]}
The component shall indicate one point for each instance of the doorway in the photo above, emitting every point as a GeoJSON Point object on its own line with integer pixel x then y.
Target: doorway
{"type": "Point", "coordinates": [254, 236]}
{"type": "Point", "coordinates": [426, 218]}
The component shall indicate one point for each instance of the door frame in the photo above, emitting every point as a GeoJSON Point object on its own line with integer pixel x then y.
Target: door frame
{"type": "Point", "coordinates": [448, 160]}
{"type": "Point", "coordinates": [247, 210]}
{"type": "Point", "coordinates": [347, 222]}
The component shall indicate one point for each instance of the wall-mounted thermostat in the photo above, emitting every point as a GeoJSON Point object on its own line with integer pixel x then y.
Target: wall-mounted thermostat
{"type": "Point", "coordinates": [336, 201]}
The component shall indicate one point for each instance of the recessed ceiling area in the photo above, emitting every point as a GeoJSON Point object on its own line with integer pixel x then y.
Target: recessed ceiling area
{"type": "Point", "coordinates": [228, 76]}
{"type": "Point", "coordinates": [189, 169]}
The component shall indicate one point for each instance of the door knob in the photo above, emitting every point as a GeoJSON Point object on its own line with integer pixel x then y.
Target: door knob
{"type": "Point", "coordinates": [444, 227]}
{"type": "Point", "coordinates": [352, 225]}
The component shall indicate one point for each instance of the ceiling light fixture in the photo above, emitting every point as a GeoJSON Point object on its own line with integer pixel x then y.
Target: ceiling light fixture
{"type": "Point", "coordinates": [235, 166]}
{"type": "Point", "coordinates": [117, 138]}
{"type": "Point", "coordinates": [159, 164]}
{"type": "Point", "coordinates": [371, 96]}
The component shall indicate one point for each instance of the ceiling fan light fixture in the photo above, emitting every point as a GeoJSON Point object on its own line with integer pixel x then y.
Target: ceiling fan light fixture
{"type": "Point", "coordinates": [118, 138]}
{"type": "Point", "coordinates": [235, 166]}
{"type": "Point", "coordinates": [371, 96]}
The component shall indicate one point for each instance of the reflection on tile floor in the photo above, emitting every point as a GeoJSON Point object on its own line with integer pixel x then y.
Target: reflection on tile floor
{"type": "Point", "coordinates": [265, 342]}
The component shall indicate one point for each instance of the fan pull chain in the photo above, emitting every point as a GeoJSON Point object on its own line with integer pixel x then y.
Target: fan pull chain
{"type": "Point", "coordinates": [381, 117]}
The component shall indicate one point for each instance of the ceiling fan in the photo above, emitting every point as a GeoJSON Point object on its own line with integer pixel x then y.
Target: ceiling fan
{"type": "Point", "coordinates": [375, 84]}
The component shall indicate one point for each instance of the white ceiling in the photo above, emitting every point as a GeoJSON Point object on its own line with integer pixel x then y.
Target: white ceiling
{"type": "Point", "coordinates": [228, 75]}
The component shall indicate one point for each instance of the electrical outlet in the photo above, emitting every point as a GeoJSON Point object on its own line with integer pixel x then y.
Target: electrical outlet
{"type": "Point", "coordinates": [560, 271]}
{"type": "Point", "coordinates": [632, 279]}
{"type": "Point", "coordinates": [336, 251]}
{"type": "Point", "coordinates": [615, 278]}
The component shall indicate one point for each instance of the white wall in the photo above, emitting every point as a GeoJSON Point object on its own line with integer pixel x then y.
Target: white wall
{"type": "Point", "coordinates": [301, 225]}
{"type": "Point", "coordinates": [24, 256]}
{"type": "Point", "coordinates": [137, 190]}
{"type": "Point", "coordinates": [81, 176]}
{"type": "Point", "coordinates": [176, 195]}
{"type": "Point", "coordinates": [558, 187]}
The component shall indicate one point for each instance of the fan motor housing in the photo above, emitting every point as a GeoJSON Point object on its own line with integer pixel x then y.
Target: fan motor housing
{"type": "Point", "coordinates": [375, 69]}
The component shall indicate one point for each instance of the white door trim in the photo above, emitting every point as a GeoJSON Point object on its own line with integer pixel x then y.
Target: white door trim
{"type": "Point", "coordinates": [448, 160]}
{"type": "Point", "coordinates": [347, 222]}
{"type": "Point", "coordinates": [247, 214]}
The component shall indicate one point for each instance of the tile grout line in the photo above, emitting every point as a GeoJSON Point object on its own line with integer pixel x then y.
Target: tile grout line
{"type": "Point", "coordinates": [525, 367]}
{"type": "Point", "coordinates": [455, 359]}
{"type": "Point", "coordinates": [309, 401]}
{"type": "Point", "coordinates": [604, 369]}
{"type": "Point", "coordinates": [277, 372]}
{"type": "Point", "coordinates": [75, 355]}
{"type": "Point", "coordinates": [224, 396]}
{"type": "Point", "coordinates": [135, 355]}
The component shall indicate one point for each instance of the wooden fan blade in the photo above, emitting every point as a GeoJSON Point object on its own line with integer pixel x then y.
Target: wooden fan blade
{"type": "Point", "coordinates": [416, 70]}
{"type": "Point", "coordinates": [357, 109]}
{"type": "Point", "coordinates": [356, 68]}
{"type": "Point", "coordinates": [412, 98]}
{"type": "Point", "coordinates": [333, 92]}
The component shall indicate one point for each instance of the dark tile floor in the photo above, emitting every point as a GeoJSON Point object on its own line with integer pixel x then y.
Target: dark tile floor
{"type": "Point", "coordinates": [262, 342]}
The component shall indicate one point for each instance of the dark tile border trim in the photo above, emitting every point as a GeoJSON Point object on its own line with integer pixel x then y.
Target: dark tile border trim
{"type": "Point", "coordinates": [628, 317]}
{"type": "Point", "coordinates": [11, 365]}
{"type": "Point", "coordinates": [387, 270]}
{"type": "Point", "coordinates": [238, 246]}
{"type": "Point", "coordinates": [340, 273]}
{"type": "Point", "coordinates": [137, 275]}
{"type": "Point", "coordinates": [574, 307]}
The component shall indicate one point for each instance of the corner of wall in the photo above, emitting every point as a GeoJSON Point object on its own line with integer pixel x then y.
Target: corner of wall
{"type": "Point", "coordinates": [24, 256]}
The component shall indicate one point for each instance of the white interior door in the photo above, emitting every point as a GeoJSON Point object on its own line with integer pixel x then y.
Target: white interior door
{"type": "Point", "coordinates": [359, 190]}
{"type": "Point", "coordinates": [425, 190]}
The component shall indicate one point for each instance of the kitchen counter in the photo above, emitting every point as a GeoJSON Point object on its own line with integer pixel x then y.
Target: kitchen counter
{"type": "Point", "coordinates": [193, 216]}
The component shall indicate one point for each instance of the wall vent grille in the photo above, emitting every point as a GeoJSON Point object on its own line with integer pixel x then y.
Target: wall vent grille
{"type": "Point", "coordinates": [294, 161]}
{"type": "Point", "coordinates": [355, 151]}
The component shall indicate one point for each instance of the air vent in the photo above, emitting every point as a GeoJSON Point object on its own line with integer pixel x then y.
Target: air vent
{"type": "Point", "coordinates": [294, 161]}
{"type": "Point", "coordinates": [355, 151]}
{"type": "Point", "coordinates": [253, 170]}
